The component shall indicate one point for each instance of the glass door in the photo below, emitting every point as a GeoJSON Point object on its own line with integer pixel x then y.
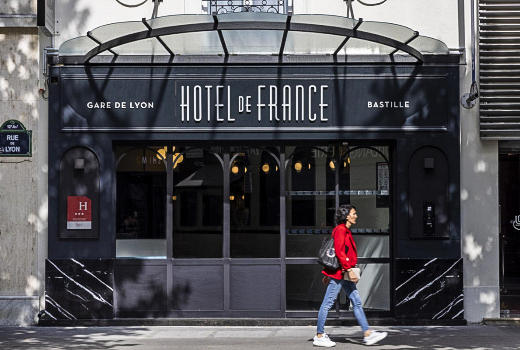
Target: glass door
{"type": "Point", "coordinates": [509, 201]}
{"type": "Point", "coordinates": [319, 179]}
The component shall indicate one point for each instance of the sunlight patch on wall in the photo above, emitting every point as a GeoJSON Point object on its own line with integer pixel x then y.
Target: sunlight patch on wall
{"type": "Point", "coordinates": [480, 167]}
{"type": "Point", "coordinates": [33, 286]}
{"type": "Point", "coordinates": [40, 221]}
{"type": "Point", "coordinates": [471, 248]}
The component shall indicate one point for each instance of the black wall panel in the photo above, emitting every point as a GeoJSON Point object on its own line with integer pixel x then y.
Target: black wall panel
{"type": "Point", "coordinates": [198, 288]}
{"type": "Point", "coordinates": [140, 288]}
{"type": "Point", "coordinates": [255, 287]}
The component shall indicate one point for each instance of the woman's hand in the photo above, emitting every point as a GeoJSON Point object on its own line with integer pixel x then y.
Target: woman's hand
{"type": "Point", "coordinates": [352, 276]}
{"type": "Point", "coordinates": [325, 280]}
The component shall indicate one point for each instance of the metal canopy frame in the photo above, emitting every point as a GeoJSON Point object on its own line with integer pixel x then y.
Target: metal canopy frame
{"type": "Point", "coordinates": [93, 49]}
{"type": "Point", "coordinates": [249, 25]}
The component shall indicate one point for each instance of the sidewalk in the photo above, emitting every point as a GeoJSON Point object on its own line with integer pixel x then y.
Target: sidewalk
{"type": "Point", "coordinates": [474, 337]}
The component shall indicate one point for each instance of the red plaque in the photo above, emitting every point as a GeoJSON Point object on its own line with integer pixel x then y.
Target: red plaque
{"type": "Point", "coordinates": [79, 213]}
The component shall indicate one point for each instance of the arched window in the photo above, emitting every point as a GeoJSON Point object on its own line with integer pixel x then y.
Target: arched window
{"type": "Point", "coordinates": [79, 194]}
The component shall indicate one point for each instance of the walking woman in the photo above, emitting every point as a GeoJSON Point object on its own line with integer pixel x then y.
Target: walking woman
{"type": "Point", "coordinates": [346, 253]}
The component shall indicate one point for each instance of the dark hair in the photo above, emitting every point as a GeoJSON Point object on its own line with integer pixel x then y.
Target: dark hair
{"type": "Point", "coordinates": [342, 213]}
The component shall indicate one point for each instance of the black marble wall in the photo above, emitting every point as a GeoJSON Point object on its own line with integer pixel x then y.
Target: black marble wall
{"type": "Point", "coordinates": [79, 289]}
{"type": "Point", "coordinates": [429, 289]}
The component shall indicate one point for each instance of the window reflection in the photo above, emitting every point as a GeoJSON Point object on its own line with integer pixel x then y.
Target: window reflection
{"type": "Point", "coordinates": [197, 203]}
{"type": "Point", "coordinates": [368, 185]}
{"type": "Point", "coordinates": [310, 198]}
{"type": "Point", "coordinates": [255, 203]}
{"type": "Point", "coordinates": [316, 175]}
{"type": "Point", "coordinates": [140, 202]}
{"type": "Point", "coordinates": [141, 189]}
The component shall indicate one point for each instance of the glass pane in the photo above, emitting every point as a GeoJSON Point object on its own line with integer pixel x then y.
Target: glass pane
{"type": "Point", "coordinates": [388, 30]}
{"type": "Point", "coordinates": [302, 43]}
{"type": "Point", "coordinates": [374, 287]}
{"type": "Point", "coordinates": [150, 46]}
{"type": "Point", "coordinates": [310, 203]}
{"type": "Point", "coordinates": [266, 42]}
{"type": "Point", "coordinates": [115, 30]}
{"type": "Point", "coordinates": [140, 202]}
{"type": "Point", "coordinates": [370, 246]}
{"type": "Point", "coordinates": [78, 46]}
{"type": "Point", "coordinates": [197, 203]}
{"type": "Point", "coordinates": [362, 47]}
{"type": "Point", "coordinates": [367, 188]}
{"type": "Point", "coordinates": [255, 204]}
{"type": "Point", "coordinates": [252, 17]}
{"type": "Point", "coordinates": [428, 45]}
{"type": "Point", "coordinates": [198, 43]}
{"type": "Point", "coordinates": [304, 289]}
{"type": "Point", "coordinates": [177, 20]}
{"type": "Point", "coordinates": [327, 20]}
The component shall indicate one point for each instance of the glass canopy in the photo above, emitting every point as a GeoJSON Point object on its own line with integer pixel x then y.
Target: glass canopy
{"type": "Point", "coordinates": [250, 33]}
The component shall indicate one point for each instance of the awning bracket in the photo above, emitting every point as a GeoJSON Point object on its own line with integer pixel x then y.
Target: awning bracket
{"type": "Point", "coordinates": [166, 47]}
{"type": "Point", "coordinates": [413, 37]}
{"type": "Point", "coordinates": [220, 36]}
{"type": "Point", "coordinates": [347, 38]}
{"type": "Point", "coordinates": [284, 37]}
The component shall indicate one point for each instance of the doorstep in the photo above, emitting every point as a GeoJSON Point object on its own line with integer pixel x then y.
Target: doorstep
{"type": "Point", "coordinates": [503, 321]}
{"type": "Point", "coordinates": [243, 322]}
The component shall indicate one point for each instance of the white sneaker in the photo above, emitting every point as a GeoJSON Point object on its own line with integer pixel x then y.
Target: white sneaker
{"type": "Point", "coordinates": [374, 337]}
{"type": "Point", "coordinates": [323, 341]}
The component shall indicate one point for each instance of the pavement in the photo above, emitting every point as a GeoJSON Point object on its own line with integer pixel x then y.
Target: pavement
{"type": "Point", "coordinates": [474, 337]}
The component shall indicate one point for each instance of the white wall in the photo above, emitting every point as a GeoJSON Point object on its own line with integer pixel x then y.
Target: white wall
{"type": "Point", "coordinates": [23, 180]}
{"type": "Point", "coordinates": [437, 19]}
{"type": "Point", "coordinates": [479, 206]}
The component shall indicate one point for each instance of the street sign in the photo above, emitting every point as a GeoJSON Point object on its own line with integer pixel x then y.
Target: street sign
{"type": "Point", "coordinates": [15, 140]}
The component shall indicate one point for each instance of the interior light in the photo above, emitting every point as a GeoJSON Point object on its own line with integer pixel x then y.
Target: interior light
{"type": "Point", "coordinates": [332, 165]}
{"type": "Point", "coordinates": [265, 168]}
{"type": "Point", "coordinates": [309, 166]}
{"type": "Point", "coordinates": [298, 166]}
{"type": "Point", "coordinates": [231, 198]}
{"type": "Point", "coordinates": [344, 164]}
{"type": "Point", "coordinates": [276, 168]}
{"type": "Point", "coordinates": [245, 170]}
{"type": "Point", "coordinates": [161, 153]}
{"type": "Point", "coordinates": [348, 160]}
{"type": "Point", "coordinates": [243, 197]}
{"type": "Point", "coordinates": [234, 169]}
{"type": "Point", "coordinates": [178, 159]}
{"type": "Point", "coordinates": [174, 198]}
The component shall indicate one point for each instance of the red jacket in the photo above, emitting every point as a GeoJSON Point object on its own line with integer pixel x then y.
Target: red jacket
{"type": "Point", "coordinates": [346, 251]}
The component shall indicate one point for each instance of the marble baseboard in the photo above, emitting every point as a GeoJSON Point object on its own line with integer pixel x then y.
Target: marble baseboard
{"type": "Point", "coordinates": [18, 311]}
{"type": "Point", "coordinates": [79, 289]}
{"type": "Point", "coordinates": [429, 289]}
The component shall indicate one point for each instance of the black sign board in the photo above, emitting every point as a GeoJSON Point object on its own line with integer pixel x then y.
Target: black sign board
{"type": "Point", "coordinates": [241, 99]}
{"type": "Point", "coordinates": [15, 140]}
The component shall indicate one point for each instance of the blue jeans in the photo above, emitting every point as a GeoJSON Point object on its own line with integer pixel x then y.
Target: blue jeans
{"type": "Point", "coordinates": [333, 290]}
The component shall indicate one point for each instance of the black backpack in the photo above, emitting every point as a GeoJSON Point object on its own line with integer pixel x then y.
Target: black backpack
{"type": "Point", "coordinates": [327, 254]}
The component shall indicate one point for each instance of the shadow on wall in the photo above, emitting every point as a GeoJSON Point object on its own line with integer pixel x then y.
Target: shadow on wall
{"type": "Point", "coordinates": [24, 216]}
{"type": "Point", "coordinates": [72, 19]}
